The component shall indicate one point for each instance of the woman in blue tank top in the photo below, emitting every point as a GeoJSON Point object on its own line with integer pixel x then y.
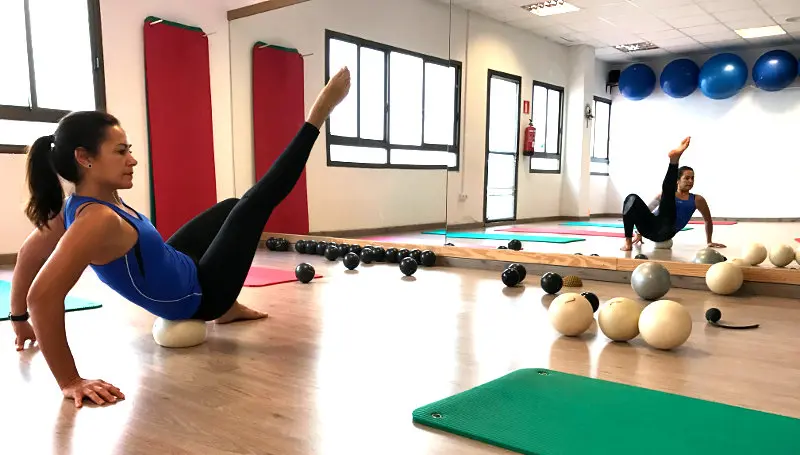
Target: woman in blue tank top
{"type": "Point", "coordinates": [674, 207]}
{"type": "Point", "coordinates": [196, 274]}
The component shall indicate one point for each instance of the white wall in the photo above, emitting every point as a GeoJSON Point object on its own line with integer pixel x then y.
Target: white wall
{"type": "Point", "coordinates": [600, 185]}
{"type": "Point", "coordinates": [744, 149]}
{"type": "Point", "coordinates": [122, 22]}
{"type": "Point", "coordinates": [342, 198]}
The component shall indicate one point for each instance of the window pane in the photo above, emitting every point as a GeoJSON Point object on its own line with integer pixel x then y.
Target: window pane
{"type": "Point", "coordinates": [344, 119]}
{"type": "Point", "coordinates": [600, 133]}
{"type": "Point", "coordinates": [440, 98]}
{"type": "Point", "coordinates": [553, 117]}
{"type": "Point", "coordinates": [14, 78]}
{"type": "Point", "coordinates": [372, 99]}
{"type": "Point", "coordinates": [544, 164]}
{"type": "Point", "coordinates": [62, 54]}
{"type": "Point", "coordinates": [539, 116]}
{"type": "Point", "coordinates": [503, 118]}
{"type": "Point", "coordinates": [598, 168]}
{"type": "Point", "coordinates": [501, 173]}
{"type": "Point", "coordinates": [423, 157]}
{"type": "Point", "coordinates": [364, 155]}
{"type": "Point", "coordinates": [405, 99]}
{"type": "Point", "coordinates": [13, 132]}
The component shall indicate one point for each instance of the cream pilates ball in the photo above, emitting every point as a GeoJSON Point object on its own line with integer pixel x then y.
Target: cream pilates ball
{"type": "Point", "coordinates": [179, 334]}
{"type": "Point", "coordinates": [618, 319]}
{"type": "Point", "coordinates": [571, 314]}
{"type": "Point", "coordinates": [754, 253]}
{"type": "Point", "coordinates": [797, 255]}
{"type": "Point", "coordinates": [665, 245]}
{"type": "Point", "coordinates": [738, 262]}
{"type": "Point", "coordinates": [781, 255]}
{"type": "Point", "coordinates": [724, 278]}
{"type": "Point", "coordinates": [665, 324]}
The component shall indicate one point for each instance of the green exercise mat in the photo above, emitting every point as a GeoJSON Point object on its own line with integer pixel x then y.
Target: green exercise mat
{"type": "Point", "coordinates": [504, 236]}
{"type": "Point", "coordinates": [71, 303]}
{"type": "Point", "coordinates": [605, 225]}
{"type": "Point", "coordinates": [543, 412]}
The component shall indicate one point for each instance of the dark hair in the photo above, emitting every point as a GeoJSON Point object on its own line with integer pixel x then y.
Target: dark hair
{"type": "Point", "coordinates": [683, 169]}
{"type": "Point", "coordinates": [52, 156]}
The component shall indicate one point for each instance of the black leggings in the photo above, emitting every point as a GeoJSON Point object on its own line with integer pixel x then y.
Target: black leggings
{"type": "Point", "coordinates": [657, 228]}
{"type": "Point", "coordinates": [223, 240]}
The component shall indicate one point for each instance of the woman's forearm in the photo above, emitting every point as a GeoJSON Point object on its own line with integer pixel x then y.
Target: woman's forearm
{"type": "Point", "coordinates": [47, 315]}
{"type": "Point", "coordinates": [28, 265]}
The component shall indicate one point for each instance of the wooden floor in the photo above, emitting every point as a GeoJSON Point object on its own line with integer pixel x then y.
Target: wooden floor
{"type": "Point", "coordinates": [342, 362]}
{"type": "Point", "coordinates": [686, 243]}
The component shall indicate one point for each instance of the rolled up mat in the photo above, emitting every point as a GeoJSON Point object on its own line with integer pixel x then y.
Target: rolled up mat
{"type": "Point", "coordinates": [552, 230]}
{"type": "Point", "coordinates": [266, 276]}
{"type": "Point", "coordinates": [603, 225]}
{"type": "Point", "coordinates": [70, 303]}
{"type": "Point", "coordinates": [500, 236]}
{"type": "Point", "coordinates": [180, 129]}
{"type": "Point", "coordinates": [278, 114]}
{"type": "Point", "coordinates": [540, 411]}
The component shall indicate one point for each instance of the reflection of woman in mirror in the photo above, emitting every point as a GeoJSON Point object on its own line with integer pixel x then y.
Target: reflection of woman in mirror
{"type": "Point", "coordinates": [671, 213]}
{"type": "Point", "coordinates": [196, 274]}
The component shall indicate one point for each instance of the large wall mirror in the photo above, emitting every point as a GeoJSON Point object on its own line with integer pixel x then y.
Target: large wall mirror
{"type": "Point", "coordinates": [378, 171]}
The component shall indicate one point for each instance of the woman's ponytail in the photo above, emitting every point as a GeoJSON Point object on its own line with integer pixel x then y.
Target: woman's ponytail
{"type": "Point", "coordinates": [47, 194]}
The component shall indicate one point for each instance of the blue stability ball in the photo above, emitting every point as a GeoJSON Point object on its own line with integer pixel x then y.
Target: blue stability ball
{"type": "Point", "coordinates": [722, 76]}
{"type": "Point", "coordinates": [680, 78]}
{"type": "Point", "coordinates": [637, 82]}
{"type": "Point", "coordinates": [775, 70]}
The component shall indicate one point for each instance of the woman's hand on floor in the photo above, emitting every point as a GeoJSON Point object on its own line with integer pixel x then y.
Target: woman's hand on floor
{"type": "Point", "coordinates": [24, 332]}
{"type": "Point", "coordinates": [97, 390]}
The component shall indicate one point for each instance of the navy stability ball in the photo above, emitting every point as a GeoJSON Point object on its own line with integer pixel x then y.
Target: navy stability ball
{"type": "Point", "coordinates": [722, 76]}
{"type": "Point", "coordinates": [775, 70]}
{"type": "Point", "coordinates": [680, 78]}
{"type": "Point", "coordinates": [637, 82]}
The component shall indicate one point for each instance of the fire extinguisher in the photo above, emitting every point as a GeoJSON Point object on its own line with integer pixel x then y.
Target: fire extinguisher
{"type": "Point", "coordinates": [530, 139]}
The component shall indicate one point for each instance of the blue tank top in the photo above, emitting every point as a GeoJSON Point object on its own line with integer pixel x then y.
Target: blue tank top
{"type": "Point", "coordinates": [152, 274]}
{"type": "Point", "coordinates": [684, 211]}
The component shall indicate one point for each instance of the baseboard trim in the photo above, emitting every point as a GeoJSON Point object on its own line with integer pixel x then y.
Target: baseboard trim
{"type": "Point", "coordinates": [8, 259]}
{"type": "Point", "coordinates": [716, 218]}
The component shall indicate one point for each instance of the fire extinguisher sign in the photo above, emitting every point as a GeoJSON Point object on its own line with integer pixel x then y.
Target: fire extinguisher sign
{"type": "Point", "coordinates": [526, 107]}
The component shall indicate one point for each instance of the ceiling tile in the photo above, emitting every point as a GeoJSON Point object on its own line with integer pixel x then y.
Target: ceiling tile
{"type": "Point", "coordinates": [718, 37]}
{"type": "Point", "coordinates": [692, 21]}
{"type": "Point", "coordinates": [742, 14]}
{"type": "Point", "coordinates": [748, 23]}
{"type": "Point", "coordinates": [640, 26]}
{"type": "Point", "coordinates": [680, 11]}
{"type": "Point", "coordinates": [791, 27]}
{"type": "Point", "coordinates": [781, 7]}
{"type": "Point", "coordinates": [687, 48]}
{"type": "Point", "coordinates": [662, 35]}
{"type": "Point", "coordinates": [718, 6]}
{"type": "Point", "coordinates": [675, 42]}
{"type": "Point", "coordinates": [660, 4]}
{"type": "Point", "coordinates": [705, 30]}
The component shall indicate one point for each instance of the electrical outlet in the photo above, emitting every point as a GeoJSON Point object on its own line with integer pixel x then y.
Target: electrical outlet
{"type": "Point", "coordinates": [462, 197]}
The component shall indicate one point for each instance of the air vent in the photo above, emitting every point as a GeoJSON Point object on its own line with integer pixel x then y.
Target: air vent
{"type": "Point", "coordinates": [636, 47]}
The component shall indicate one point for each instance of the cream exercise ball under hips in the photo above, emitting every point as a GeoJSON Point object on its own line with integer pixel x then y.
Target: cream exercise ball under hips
{"type": "Point", "coordinates": [724, 278]}
{"type": "Point", "coordinates": [665, 245]}
{"type": "Point", "coordinates": [571, 314]}
{"type": "Point", "coordinates": [665, 324]}
{"type": "Point", "coordinates": [619, 318]}
{"type": "Point", "coordinates": [754, 253]}
{"type": "Point", "coordinates": [179, 334]}
{"type": "Point", "coordinates": [781, 255]}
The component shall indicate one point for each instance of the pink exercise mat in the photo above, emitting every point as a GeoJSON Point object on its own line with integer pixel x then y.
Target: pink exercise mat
{"type": "Point", "coordinates": [555, 230]}
{"type": "Point", "coordinates": [265, 276]}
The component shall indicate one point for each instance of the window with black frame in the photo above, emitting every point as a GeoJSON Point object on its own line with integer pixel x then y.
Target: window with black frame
{"type": "Point", "coordinates": [51, 54]}
{"type": "Point", "coordinates": [402, 110]}
{"type": "Point", "coordinates": [547, 116]}
{"type": "Point", "coordinates": [601, 136]}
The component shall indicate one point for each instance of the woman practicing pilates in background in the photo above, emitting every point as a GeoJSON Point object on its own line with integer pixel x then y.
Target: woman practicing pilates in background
{"type": "Point", "coordinates": [673, 213]}
{"type": "Point", "coordinates": [197, 274]}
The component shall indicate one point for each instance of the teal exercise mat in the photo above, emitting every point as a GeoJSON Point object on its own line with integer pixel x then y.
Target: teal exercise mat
{"type": "Point", "coordinates": [605, 225]}
{"type": "Point", "coordinates": [71, 303]}
{"type": "Point", "coordinates": [503, 236]}
{"type": "Point", "coordinates": [544, 412]}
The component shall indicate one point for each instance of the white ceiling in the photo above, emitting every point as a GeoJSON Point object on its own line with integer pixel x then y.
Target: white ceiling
{"type": "Point", "coordinates": [676, 26]}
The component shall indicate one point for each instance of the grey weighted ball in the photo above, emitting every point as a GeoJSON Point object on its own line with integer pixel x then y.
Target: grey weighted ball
{"type": "Point", "coordinates": [651, 281]}
{"type": "Point", "coordinates": [708, 256]}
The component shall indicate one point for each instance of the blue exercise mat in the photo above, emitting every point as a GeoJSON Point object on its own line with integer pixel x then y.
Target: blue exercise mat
{"type": "Point", "coordinates": [604, 225]}
{"type": "Point", "coordinates": [71, 303]}
{"type": "Point", "coordinates": [507, 236]}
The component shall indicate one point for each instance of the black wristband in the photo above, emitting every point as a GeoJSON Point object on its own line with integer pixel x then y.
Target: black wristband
{"type": "Point", "coordinates": [22, 318]}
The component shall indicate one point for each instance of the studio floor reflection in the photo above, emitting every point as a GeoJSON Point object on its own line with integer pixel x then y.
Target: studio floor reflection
{"type": "Point", "coordinates": [342, 362]}
{"type": "Point", "coordinates": [685, 244]}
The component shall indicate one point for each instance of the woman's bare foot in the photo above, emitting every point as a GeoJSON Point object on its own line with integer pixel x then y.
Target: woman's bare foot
{"type": "Point", "coordinates": [334, 92]}
{"type": "Point", "coordinates": [675, 155]}
{"type": "Point", "coordinates": [239, 312]}
{"type": "Point", "coordinates": [637, 239]}
{"type": "Point", "coordinates": [628, 245]}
